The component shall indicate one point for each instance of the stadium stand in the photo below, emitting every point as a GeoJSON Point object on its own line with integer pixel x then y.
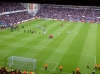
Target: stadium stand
{"type": "Point", "coordinates": [12, 18]}
{"type": "Point", "coordinates": [72, 13]}
{"type": "Point", "coordinates": [9, 6]}
{"type": "Point", "coordinates": [4, 70]}
{"type": "Point", "coordinates": [66, 12]}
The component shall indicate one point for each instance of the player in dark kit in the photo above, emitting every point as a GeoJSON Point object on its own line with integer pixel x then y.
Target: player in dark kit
{"type": "Point", "coordinates": [95, 66]}
{"type": "Point", "coordinates": [22, 26]}
{"type": "Point", "coordinates": [73, 72]}
{"type": "Point", "coordinates": [11, 28]}
{"type": "Point", "coordinates": [17, 26]}
{"type": "Point", "coordinates": [24, 31]}
{"type": "Point", "coordinates": [93, 72]}
{"type": "Point", "coordinates": [39, 32]}
{"type": "Point", "coordinates": [44, 25]}
{"type": "Point", "coordinates": [32, 32]}
{"type": "Point", "coordinates": [88, 65]}
{"type": "Point", "coordinates": [18, 29]}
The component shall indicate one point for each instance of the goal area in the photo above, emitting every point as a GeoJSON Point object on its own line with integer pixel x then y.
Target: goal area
{"type": "Point", "coordinates": [22, 63]}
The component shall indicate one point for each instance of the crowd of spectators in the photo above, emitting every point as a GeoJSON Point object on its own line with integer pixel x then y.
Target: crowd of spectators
{"type": "Point", "coordinates": [3, 70]}
{"type": "Point", "coordinates": [67, 12]}
{"type": "Point", "coordinates": [10, 19]}
{"type": "Point", "coordinates": [87, 14]}
{"type": "Point", "coordinates": [9, 6]}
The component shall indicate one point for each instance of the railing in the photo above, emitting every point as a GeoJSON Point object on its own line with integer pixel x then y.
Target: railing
{"type": "Point", "coordinates": [3, 13]}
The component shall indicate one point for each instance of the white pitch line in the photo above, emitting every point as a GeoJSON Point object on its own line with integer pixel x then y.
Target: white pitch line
{"type": "Point", "coordinates": [56, 66]}
{"type": "Point", "coordinates": [38, 47]}
{"type": "Point", "coordinates": [44, 69]}
{"type": "Point", "coordinates": [74, 53]}
{"type": "Point", "coordinates": [60, 51]}
{"type": "Point", "coordinates": [64, 52]}
{"type": "Point", "coordinates": [43, 47]}
{"type": "Point", "coordinates": [50, 62]}
{"type": "Point", "coordinates": [87, 55]}
{"type": "Point", "coordinates": [47, 61]}
{"type": "Point", "coordinates": [3, 57]}
{"type": "Point", "coordinates": [73, 33]}
{"type": "Point", "coordinates": [53, 50]}
{"type": "Point", "coordinates": [53, 70]}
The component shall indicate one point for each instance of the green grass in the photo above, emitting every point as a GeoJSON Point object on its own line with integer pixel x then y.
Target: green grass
{"type": "Point", "coordinates": [72, 50]}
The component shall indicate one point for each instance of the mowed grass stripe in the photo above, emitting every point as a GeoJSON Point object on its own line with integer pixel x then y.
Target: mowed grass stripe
{"type": "Point", "coordinates": [54, 44]}
{"type": "Point", "coordinates": [39, 45]}
{"type": "Point", "coordinates": [98, 45]}
{"type": "Point", "coordinates": [6, 34]}
{"type": "Point", "coordinates": [38, 38]}
{"type": "Point", "coordinates": [70, 61]}
{"type": "Point", "coordinates": [24, 52]}
{"type": "Point", "coordinates": [6, 31]}
{"type": "Point", "coordinates": [12, 42]}
{"type": "Point", "coordinates": [89, 51]}
{"type": "Point", "coordinates": [19, 36]}
{"type": "Point", "coordinates": [10, 47]}
{"type": "Point", "coordinates": [13, 39]}
{"type": "Point", "coordinates": [41, 41]}
{"type": "Point", "coordinates": [29, 37]}
{"type": "Point", "coordinates": [21, 46]}
{"type": "Point", "coordinates": [31, 49]}
{"type": "Point", "coordinates": [34, 25]}
{"type": "Point", "coordinates": [62, 48]}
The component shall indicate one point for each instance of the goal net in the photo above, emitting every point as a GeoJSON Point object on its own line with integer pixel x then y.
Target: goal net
{"type": "Point", "coordinates": [22, 63]}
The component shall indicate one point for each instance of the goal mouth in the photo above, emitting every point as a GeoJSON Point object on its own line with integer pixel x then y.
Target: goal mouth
{"type": "Point", "coordinates": [22, 63]}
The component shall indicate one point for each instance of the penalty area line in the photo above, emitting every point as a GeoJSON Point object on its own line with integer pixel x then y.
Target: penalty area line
{"type": "Point", "coordinates": [3, 57]}
{"type": "Point", "coordinates": [47, 61]}
{"type": "Point", "coordinates": [53, 70]}
{"type": "Point", "coordinates": [56, 66]}
{"type": "Point", "coordinates": [44, 69]}
{"type": "Point", "coordinates": [73, 53]}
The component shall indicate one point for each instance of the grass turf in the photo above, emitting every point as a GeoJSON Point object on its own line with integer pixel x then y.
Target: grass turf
{"type": "Point", "coordinates": [72, 50]}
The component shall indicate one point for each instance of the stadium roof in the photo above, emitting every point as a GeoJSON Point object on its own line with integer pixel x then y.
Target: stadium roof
{"type": "Point", "coordinates": [61, 2]}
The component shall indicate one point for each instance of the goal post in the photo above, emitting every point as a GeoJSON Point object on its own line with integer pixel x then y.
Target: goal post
{"type": "Point", "coordinates": [22, 63]}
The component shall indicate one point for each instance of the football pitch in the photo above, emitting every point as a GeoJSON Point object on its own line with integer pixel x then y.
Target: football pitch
{"type": "Point", "coordinates": [69, 50]}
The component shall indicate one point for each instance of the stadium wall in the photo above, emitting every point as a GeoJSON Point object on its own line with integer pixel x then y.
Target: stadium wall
{"type": "Point", "coordinates": [33, 8]}
{"type": "Point", "coordinates": [24, 5]}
